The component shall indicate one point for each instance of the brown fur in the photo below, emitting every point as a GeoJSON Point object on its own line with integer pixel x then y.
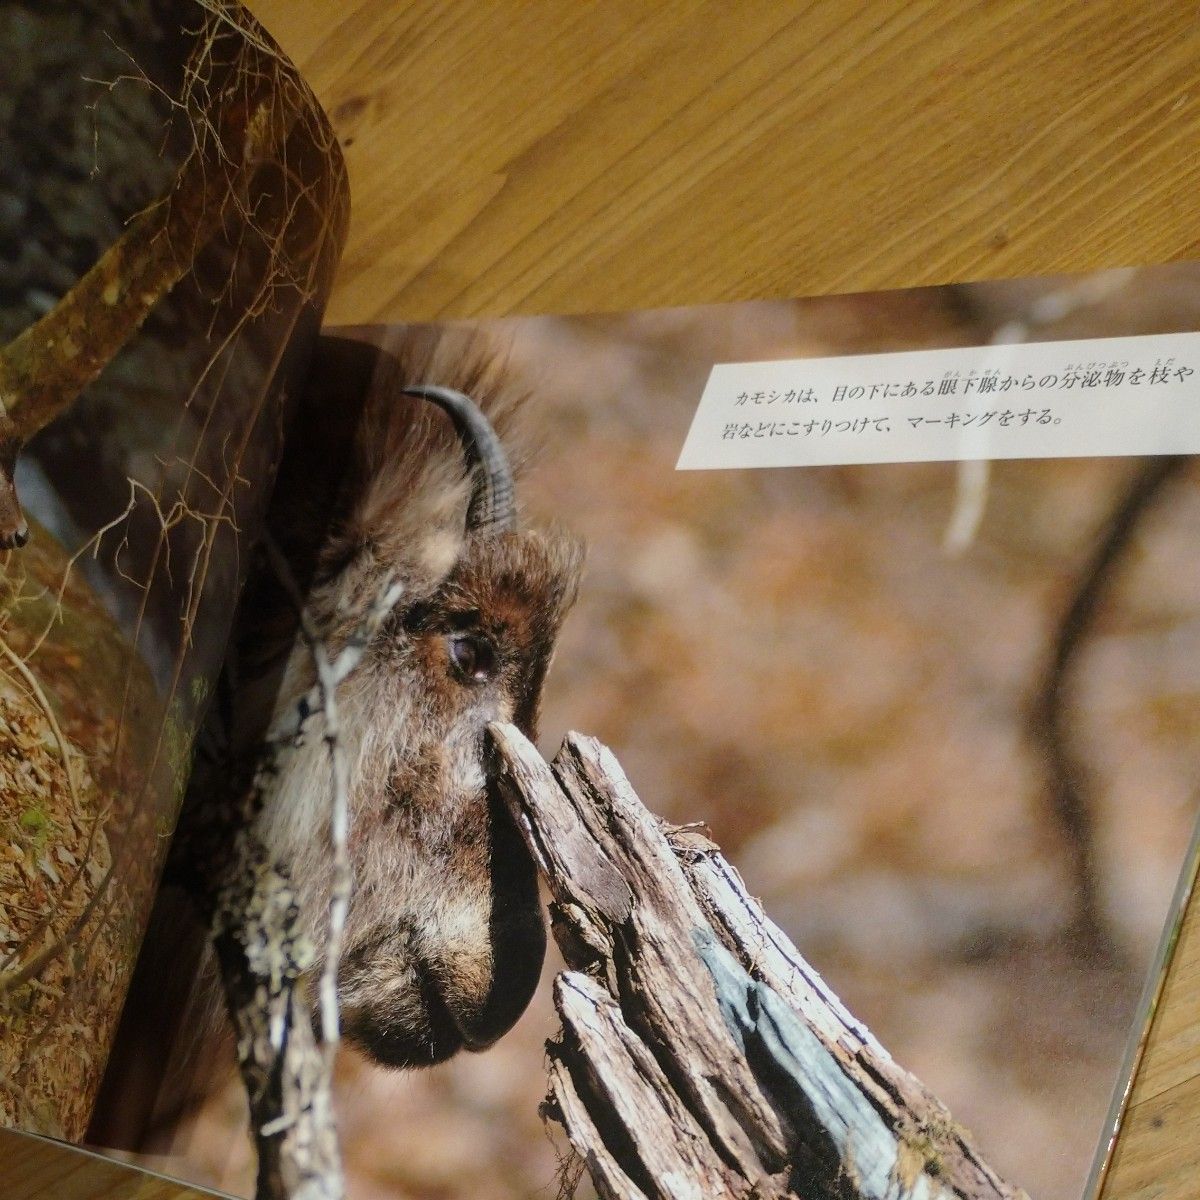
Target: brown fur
{"type": "Point", "coordinates": [444, 938]}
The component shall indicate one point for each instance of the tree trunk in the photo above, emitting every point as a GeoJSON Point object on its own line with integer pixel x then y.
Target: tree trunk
{"type": "Point", "coordinates": [700, 1055]}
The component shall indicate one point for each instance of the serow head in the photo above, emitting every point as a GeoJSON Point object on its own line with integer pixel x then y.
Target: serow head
{"type": "Point", "coordinates": [445, 937]}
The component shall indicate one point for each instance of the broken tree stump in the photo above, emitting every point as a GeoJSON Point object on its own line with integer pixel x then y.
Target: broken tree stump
{"type": "Point", "coordinates": [700, 1055]}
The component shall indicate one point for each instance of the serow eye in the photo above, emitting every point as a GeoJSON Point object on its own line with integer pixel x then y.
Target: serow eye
{"type": "Point", "coordinates": [473, 658]}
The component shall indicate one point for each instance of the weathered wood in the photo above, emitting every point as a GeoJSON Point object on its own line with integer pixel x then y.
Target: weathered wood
{"type": "Point", "coordinates": [700, 1055]}
{"type": "Point", "coordinates": [257, 925]}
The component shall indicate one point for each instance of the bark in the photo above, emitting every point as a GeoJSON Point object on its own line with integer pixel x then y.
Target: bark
{"type": "Point", "coordinates": [263, 955]}
{"type": "Point", "coordinates": [258, 931]}
{"type": "Point", "coordinates": [700, 1055]}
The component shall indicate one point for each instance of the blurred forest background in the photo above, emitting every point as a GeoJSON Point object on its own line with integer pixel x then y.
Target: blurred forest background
{"type": "Point", "coordinates": [795, 658]}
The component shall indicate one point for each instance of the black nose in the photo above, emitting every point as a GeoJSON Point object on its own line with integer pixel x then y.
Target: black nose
{"type": "Point", "coordinates": [419, 990]}
{"type": "Point", "coordinates": [517, 933]}
{"type": "Point", "coordinates": [519, 955]}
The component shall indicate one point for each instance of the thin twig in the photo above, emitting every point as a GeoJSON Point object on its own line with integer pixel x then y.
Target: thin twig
{"type": "Point", "coordinates": [38, 963]}
{"type": "Point", "coordinates": [329, 675]}
{"type": "Point", "coordinates": [22, 669]}
{"type": "Point", "coordinates": [7, 982]}
{"type": "Point", "coordinates": [258, 927]}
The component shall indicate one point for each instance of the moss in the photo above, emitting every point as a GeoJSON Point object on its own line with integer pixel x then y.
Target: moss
{"type": "Point", "coordinates": [36, 827]}
{"type": "Point", "coordinates": [34, 820]}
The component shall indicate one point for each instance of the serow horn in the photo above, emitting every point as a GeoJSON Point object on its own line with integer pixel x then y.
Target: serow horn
{"type": "Point", "coordinates": [493, 507]}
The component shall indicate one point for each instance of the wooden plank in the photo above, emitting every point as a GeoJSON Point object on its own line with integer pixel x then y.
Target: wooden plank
{"type": "Point", "coordinates": [1176, 1034]}
{"type": "Point", "coordinates": [1156, 1158]}
{"type": "Point", "coordinates": [35, 1169]}
{"type": "Point", "coordinates": [608, 154]}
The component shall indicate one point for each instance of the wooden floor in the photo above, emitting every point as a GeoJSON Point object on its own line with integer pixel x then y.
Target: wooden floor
{"type": "Point", "coordinates": [599, 154]}
{"type": "Point", "coordinates": [33, 1169]}
{"type": "Point", "coordinates": [576, 156]}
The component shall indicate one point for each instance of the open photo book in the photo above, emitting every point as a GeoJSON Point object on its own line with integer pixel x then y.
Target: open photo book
{"type": "Point", "coordinates": [868, 627]}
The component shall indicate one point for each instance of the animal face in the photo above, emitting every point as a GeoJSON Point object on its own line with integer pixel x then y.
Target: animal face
{"type": "Point", "coordinates": [446, 941]}
{"type": "Point", "coordinates": [444, 938]}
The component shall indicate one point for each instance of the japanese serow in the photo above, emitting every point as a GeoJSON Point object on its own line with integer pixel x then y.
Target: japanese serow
{"type": "Point", "coordinates": [444, 938]}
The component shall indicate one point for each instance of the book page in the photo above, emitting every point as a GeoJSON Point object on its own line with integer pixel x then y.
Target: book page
{"type": "Point", "coordinates": [165, 258]}
{"type": "Point", "coordinates": [935, 712]}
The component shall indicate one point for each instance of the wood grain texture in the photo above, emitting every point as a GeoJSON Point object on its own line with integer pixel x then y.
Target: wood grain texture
{"type": "Point", "coordinates": [599, 155]}
{"type": "Point", "coordinates": [1157, 1156]}
{"type": "Point", "coordinates": [34, 1169]}
{"type": "Point", "coordinates": [535, 156]}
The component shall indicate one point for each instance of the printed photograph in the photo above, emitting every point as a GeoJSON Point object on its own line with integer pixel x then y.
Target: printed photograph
{"type": "Point", "coordinates": [937, 715]}
{"type": "Point", "coordinates": [149, 297]}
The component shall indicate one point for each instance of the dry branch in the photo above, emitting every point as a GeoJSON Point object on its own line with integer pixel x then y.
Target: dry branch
{"type": "Point", "coordinates": [700, 1055]}
{"type": "Point", "coordinates": [1069, 781]}
{"type": "Point", "coordinates": [257, 927]}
